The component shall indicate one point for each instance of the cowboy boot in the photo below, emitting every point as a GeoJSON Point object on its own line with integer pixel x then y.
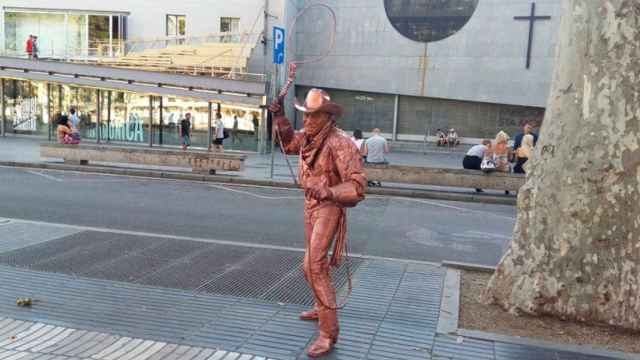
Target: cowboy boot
{"type": "Point", "coordinates": [329, 331]}
{"type": "Point", "coordinates": [310, 314]}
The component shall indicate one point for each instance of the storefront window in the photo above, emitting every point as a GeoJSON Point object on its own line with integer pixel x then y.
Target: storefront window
{"type": "Point", "coordinates": [86, 106]}
{"type": "Point", "coordinates": [26, 107]}
{"type": "Point", "coordinates": [243, 135]}
{"type": "Point", "coordinates": [124, 117]}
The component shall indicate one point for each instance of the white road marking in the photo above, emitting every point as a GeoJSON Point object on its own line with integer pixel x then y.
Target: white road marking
{"type": "Point", "coordinates": [44, 175]}
{"type": "Point", "coordinates": [211, 241]}
{"type": "Point", "coordinates": [452, 207]}
{"type": "Point", "coordinates": [255, 195]}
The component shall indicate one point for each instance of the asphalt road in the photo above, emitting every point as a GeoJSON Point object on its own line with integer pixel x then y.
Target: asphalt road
{"type": "Point", "coordinates": [381, 226]}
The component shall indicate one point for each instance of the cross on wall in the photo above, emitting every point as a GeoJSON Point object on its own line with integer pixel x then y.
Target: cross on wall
{"type": "Point", "coordinates": [532, 20]}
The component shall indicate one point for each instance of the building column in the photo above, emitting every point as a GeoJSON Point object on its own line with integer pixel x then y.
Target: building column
{"type": "Point", "coordinates": [161, 126]}
{"type": "Point", "coordinates": [50, 117]}
{"type": "Point", "coordinates": [262, 130]}
{"type": "Point", "coordinates": [3, 126]}
{"type": "Point", "coordinates": [109, 116]}
{"type": "Point", "coordinates": [99, 116]}
{"type": "Point", "coordinates": [210, 127]}
{"type": "Point", "coordinates": [65, 55]}
{"type": "Point", "coordinates": [150, 121]}
{"type": "Point", "coordinates": [395, 118]}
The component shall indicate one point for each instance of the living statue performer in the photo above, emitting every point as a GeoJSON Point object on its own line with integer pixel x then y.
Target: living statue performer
{"type": "Point", "coordinates": [332, 176]}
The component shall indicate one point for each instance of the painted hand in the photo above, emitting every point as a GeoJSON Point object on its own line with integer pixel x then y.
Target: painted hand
{"type": "Point", "coordinates": [275, 107]}
{"type": "Point", "coordinates": [320, 193]}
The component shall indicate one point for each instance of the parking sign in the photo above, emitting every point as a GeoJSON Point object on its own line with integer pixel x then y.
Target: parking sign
{"type": "Point", "coordinates": [278, 45]}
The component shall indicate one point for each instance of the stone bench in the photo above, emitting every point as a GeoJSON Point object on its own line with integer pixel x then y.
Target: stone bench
{"type": "Point", "coordinates": [201, 162]}
{"type": "Point", "coordinates": [444, 177]}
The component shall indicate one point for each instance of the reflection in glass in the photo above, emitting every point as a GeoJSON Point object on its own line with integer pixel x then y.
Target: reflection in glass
{"type": "Point", "coordinates": [49, 27]}
{"type": "Point", "coordinates": [429, 20]}
{"type": "Point", "coordinates": [176, 25]}
{"type": "Point", "coordinates": [77, 35]}
{"type": "Point", "coordinates": [124, 116]}
{"type": "Point", "coordinates": [26, 107]}
{"type": "Point", "coordinates": [99, 35]}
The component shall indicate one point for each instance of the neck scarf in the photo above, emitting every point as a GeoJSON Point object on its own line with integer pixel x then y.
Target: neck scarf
{"type": "Point", "coordinates": [312, 146]}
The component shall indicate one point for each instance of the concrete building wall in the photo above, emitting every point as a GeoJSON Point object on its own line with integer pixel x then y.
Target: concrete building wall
{"type": "Point", "coordinates": [418, 116]}
{"type": "Point", "coordinates": [362, 110]}
{"type": "Point", "coordinates": [483, 62]}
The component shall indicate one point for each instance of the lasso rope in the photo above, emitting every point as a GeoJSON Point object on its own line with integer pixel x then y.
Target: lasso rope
{"type": "Point", "coordinates": [293, 67]}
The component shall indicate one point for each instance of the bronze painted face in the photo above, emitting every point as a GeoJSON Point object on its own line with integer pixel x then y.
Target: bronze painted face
{"type": "Point", "coordinates": [314, 122]}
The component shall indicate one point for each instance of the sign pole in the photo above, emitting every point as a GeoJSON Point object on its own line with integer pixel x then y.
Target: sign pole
{"type": "Point", "coordinates": [278, 59]}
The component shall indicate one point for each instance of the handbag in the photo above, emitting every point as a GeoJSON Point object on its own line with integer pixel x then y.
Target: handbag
{"type": "Point", "coordinates": [225, 134]}
{"type": "Point", "coordinates": [487, 165]}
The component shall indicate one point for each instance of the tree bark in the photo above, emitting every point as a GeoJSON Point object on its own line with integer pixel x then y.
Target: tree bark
{"type": "Point", "coordinates": [575, 252]}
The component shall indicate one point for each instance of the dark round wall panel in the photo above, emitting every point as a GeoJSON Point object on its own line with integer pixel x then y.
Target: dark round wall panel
{"type": "Point", "coordinates": [429, 20]}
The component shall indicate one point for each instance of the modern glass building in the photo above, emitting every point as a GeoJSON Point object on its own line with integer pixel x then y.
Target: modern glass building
{"type": "Point", "coordinates": [406, 67]}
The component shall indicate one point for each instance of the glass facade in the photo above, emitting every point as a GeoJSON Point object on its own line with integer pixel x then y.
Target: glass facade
{"type": "Point", "coordinates": [117, 116]}
{"type": "Point", "coordinates": [64, 34]}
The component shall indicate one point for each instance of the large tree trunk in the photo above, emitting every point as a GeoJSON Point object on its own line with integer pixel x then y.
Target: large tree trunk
{"type": "Point", "coordinates": [576, 246]}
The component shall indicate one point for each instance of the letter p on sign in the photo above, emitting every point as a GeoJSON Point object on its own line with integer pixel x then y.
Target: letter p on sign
{"type": "Point", "coordinates": [278, 45]}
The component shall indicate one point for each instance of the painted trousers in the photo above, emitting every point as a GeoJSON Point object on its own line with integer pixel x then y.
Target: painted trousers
{"type": "Point", "coordinates": [321, 226]}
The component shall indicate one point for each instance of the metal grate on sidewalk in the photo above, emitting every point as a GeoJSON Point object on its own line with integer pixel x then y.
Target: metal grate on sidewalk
{"type": "Point", "coordinates": [258, 273]}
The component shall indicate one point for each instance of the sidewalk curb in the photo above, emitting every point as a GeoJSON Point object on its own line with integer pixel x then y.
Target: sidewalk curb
{"type": "Point", "coordinates": [468, 266]}
{"type": "Point", "coordinates": [159, 174]}
{"type": "Point", "coordinates": [578, 349]}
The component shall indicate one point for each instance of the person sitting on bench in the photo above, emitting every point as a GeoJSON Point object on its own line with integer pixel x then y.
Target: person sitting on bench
{"type": "Point", "coordinates": [65, 132]}
{"type": "Point", "coordinates": [374, 149]}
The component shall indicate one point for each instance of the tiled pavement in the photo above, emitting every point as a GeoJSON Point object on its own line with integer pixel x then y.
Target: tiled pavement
{"type": "Point", "coordinates": [393, 313]}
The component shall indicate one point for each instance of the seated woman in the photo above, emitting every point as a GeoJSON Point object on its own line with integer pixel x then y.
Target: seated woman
{"type": "Point", "coordinates": [500, 153]}
{"type": "Point", "coordinates": [524, 153]}
{"type": "Point", "coordinates": [65, 134]}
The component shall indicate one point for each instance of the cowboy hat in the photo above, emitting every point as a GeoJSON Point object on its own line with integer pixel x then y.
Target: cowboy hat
{"type": "Point", "coordinates": [318, 101]}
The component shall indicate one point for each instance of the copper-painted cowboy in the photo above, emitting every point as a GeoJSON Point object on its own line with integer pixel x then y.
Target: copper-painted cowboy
{"type": "Point", "coordinates": [332, 176]}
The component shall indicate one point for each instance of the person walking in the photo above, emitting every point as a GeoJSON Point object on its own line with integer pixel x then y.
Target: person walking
{"type": "Point", "coordinates": [219, 133]}
{"type": "Point", "coordinates": [256, 126]}
{"type": "Point", "coordinates": [473, 159]}
{"type": "Point", "coordinates": [185, 131]}
{"type": "Point", "coordinates": [234, 131]}
{"type": "Point", "coordinates": [333, 179]}
{"type": "Point", "coordinates": [35, 47]}
{"type": "Point", "coordinates": [29, 47]}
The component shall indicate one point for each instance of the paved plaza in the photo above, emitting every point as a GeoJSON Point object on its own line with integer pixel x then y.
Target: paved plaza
{"type": "Point", "coordinates": [108, 295]}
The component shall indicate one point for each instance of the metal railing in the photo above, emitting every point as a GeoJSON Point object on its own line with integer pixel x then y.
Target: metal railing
{"type": "Point", "coordinates": [105, 53]}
